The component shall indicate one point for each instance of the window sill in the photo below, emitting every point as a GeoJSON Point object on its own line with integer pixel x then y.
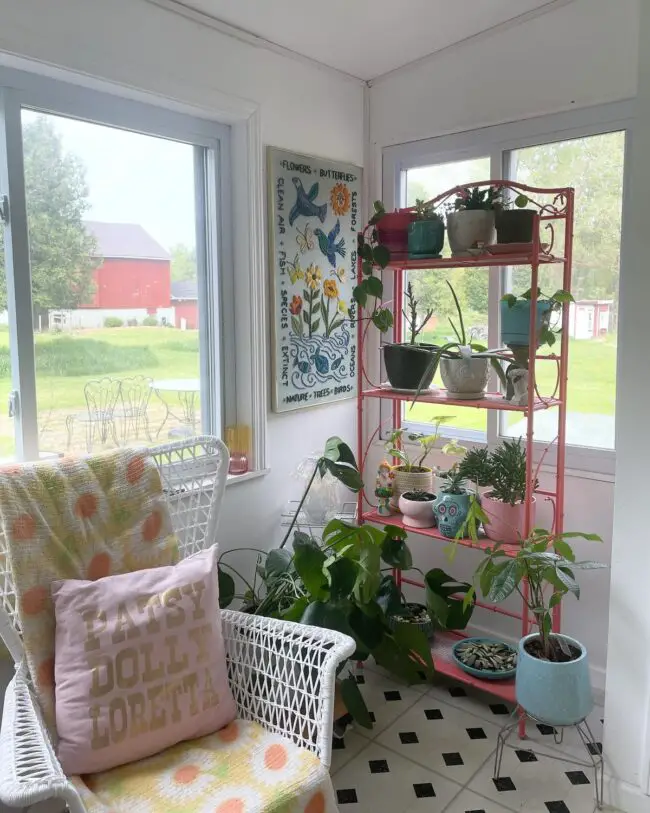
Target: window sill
{"type": "Point", "coordinates": [233, 479]}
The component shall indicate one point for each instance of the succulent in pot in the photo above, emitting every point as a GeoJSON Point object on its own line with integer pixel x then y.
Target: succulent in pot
{"type": "Point", "coordinates": [504, 504]}
{"type": "Point", "coordinates": [417, 508]}
{"type": "Point", "coordinates": [408, 364]}
{"type": "Point", "coordinates": [426, 234]}
{"type": "Point", "coordinates": [475, 468]}
{"type": "Point", "coordinates": [414, 614]}
{"type": "Point", "coordinates": [552, 682]}
{"type": "Point", "coordinates": [472, 221]}
{"type": "Point", "coordinates": [486, 658]}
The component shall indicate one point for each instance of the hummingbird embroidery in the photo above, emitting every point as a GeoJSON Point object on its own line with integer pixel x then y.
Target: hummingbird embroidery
{"type": "Point", "coordinates": [305, 205]}
{"type": "Point", "coordinates": [328, 244]}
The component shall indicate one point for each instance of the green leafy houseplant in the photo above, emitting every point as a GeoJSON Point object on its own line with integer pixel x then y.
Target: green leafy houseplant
{"type": "Point", "coordinates": [477, 198]}
{"type": "Point", "coordinates": [373, 254]}
{"type": "Point", "coordinates": [507, 466]}
{"type": "Point", "coordinates": [410, 314]}
{"type": "Point", "coordinates": [413, 461]}
{"type": "Point", "coordinates": [545, 561]}
{"type": "Point", "coordinates": [475, 466]}
{"type": "Point", "coordinates": [426, 210]}
{"type": "Point", "coordinates": [548, 330]}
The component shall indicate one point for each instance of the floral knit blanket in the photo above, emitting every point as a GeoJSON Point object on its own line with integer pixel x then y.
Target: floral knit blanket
{"type": "Point", "coordinates": [77, 518]}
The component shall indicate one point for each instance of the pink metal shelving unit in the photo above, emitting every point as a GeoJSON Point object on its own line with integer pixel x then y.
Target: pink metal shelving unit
{"type": "Point", "coordinates": [554, 209]}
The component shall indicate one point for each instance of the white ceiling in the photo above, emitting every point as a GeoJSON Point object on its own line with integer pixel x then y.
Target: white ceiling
{"type": "Point", "coordinates": [365, 38]}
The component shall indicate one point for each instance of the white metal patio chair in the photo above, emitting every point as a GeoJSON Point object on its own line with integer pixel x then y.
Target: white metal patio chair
{"type": "Point", "coordinates": [281, 674]}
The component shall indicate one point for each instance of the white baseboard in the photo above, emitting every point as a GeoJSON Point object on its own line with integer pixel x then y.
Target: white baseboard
{"type": "Point", "coordinates": [627, 798]}
{"type": "Point", "coordinates": [597, 673]}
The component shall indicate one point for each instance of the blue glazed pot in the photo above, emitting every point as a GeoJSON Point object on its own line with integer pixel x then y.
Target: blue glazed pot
{"type": "Point", "coordinates": [515, 322]}
{"type": "Point", "coordinates": [554, 693]}
{"type": "Point", "coordinates": [451, 511]}
{"type": "Point", "coordinates": [426, 238]}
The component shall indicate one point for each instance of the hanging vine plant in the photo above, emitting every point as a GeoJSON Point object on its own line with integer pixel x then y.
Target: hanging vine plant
{"type": "Point", "coordinates": [373, 255]}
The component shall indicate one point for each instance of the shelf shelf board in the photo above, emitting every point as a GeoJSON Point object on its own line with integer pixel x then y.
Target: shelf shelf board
{"type": "Point", "coordinates": [434, 533]}
{"type": "Point", "coordinates": [445, 665]}
{"type": "Point", "coordinates": [482, 261]}
{"type": "Point", "coordinates": [491, 400]}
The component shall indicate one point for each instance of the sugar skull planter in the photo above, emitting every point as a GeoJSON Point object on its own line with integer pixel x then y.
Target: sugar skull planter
{"type": "Point", "coordinates": [451, 511]}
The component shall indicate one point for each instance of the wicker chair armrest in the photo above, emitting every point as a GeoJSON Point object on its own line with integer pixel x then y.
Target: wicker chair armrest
{"type": "Point", "coordinates": [282, 676]}
{"type": "Point", "coordinates": [29, 769]}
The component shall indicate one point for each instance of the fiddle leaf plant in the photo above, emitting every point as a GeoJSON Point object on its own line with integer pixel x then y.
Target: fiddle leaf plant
{"type": "Point", "coordinates": [547, 563]}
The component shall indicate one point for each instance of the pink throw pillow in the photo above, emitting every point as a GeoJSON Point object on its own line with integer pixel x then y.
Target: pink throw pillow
{"type": "Point", "coordinates": [139, 663]}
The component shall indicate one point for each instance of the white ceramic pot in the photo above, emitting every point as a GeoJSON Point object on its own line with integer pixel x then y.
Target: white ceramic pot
{"type": "Point", "coordinates": [410, 481]}
{"type": "Point", "coordinates": [468, 227]}
{"type": "Point", "coordinates": [465, 378]}
{"type": "Point", "coordinates": [417, 513]}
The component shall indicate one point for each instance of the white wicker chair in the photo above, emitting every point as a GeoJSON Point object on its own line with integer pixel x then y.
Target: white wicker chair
{"type": "Point", "coordinates": [282, 674]}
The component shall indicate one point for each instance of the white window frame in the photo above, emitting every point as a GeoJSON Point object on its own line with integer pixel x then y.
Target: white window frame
{"type": "Point", "coordinates": [497, 142]}
{"type": "Point", "coordinates": [222, 358]}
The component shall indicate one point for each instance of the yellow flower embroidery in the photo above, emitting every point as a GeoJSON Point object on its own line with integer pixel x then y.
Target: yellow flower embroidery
{"type": "Point", "coordinates": [340, 199]}
{"type": "Point", "coordinates": [313, 276]}
{"type": "Point", "coordinates": [342, 306]}
{"type": "Point", "coordinates": [330, 289]}
{"type": "Point", "coordinates": [340, 273]}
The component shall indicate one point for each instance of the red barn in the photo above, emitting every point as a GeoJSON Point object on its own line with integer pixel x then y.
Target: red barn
{"type": "Point", "coordinates": [135, 270]}
{"type": "Point", "coordinates": [185, 301]}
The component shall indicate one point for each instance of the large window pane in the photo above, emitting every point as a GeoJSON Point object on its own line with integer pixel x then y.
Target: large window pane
{"type": "Point", "coordinates": [432, 291]}
{"type": "Point", "coordinates": [7, 436]}
{"type": "Point", "coordinates": [112, 234]}
{"type": "Point", "coordinates": [594, 166]}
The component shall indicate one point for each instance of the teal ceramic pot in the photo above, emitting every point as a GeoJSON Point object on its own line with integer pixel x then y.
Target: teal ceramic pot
{"type": "Point", "coordinates": [426, 238]}
{"type": "Point", "coordinates": [515, 322]}
{"type": "Point", "coordinates": [554, 693]}
{"type": "Point", "coordinates": [451, 511]}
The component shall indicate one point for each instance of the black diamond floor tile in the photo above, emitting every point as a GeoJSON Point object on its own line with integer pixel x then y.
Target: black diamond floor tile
{"type": "Point", "coordinates": [545, 729]}
{"type": "Point", "coordinates": [378, 766]}
{"type": "Point", "coordinates": [578, 778]}
{"type": "Point", "coordinates": [338, 744]}
{"type": "Point", "coordinates": [476, 734]}
{"type": "Point", "coordinates": [347, 796]}
{"type": "Point", "coordinates": [526, 756]}
{"type": "Point", "coordinates": [453, 759]}
{"type": "Point", "coordinates": [371, 714]}
{"type": "Point", "coordinates": [433, 714]}
{"type": "Point", "coordinates": [595, 748]}
{"type": "Point", "coordinates": [408, 737]}
{"type": "Point", "coordinates": [361, 680]}
{"type": "Point", "coordinates": [482, 810]}
{"type": "Point", "coordinates": [499, 708]}
{"type": "Point", "coordinates": [504, 783]}
{"type": "Point", "coordinates": [457, 691]}
{"type": "Point", "coordinates": [557, 807]}
{"type": "Point", "coordinates": [392, 694]}
{"type": "Point", "coordinates": [424, 790]}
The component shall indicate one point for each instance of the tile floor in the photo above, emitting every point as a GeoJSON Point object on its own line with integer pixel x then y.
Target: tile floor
{"type": "Point", "coordinates": [432, 749]}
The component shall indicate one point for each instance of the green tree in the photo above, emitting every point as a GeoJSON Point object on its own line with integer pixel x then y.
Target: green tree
{"type": "Point", "coordinates": [62, 253]}
{"type": "Point", "coordinates": [474, 287]}
{"type": "Point", "coordinates": [183, 262]}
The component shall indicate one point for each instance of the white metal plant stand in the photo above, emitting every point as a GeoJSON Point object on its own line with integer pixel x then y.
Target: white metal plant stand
{"type": "Point", "coordinates": [281, 674]}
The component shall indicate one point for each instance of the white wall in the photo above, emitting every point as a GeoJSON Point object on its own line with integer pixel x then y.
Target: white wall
{"type": "Point", "coordinates": [582, 54]}
{"type": "Point", "coordinates": [302, 108]}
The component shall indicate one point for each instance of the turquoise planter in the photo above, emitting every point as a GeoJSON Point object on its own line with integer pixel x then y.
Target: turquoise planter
{"type": "Point", "coordinates": [515, 322]}
{"type": "Point", "coordinates": [451, 511]}
{"type": "Point", "coordinates": [554, 693]}
{"type": "Point", "coordinates": [426, 239]}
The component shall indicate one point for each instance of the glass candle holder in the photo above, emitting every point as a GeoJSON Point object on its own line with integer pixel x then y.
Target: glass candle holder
{"type": "Point", "coordinates": [237, 440]}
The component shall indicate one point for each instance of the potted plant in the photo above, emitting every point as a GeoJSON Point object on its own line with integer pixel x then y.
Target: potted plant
{"type": "Point", "coordinates": [417, 508]}
{"type": "Point", "coordinates": [452, 506]}
{"type": "Point", "coordinates": [374, 254]}
{"type": "Point", "coordinates": [426, 234]}
{"type": "Point", "coordinates": [464, 363]}
{"type": "Point", "coordinates": [475, 468]}
{"type": "Point", "coordinates": [515, 225]}
{"type": "Point", "coordinates": [472, 221]}
{"type": "Point", "coordinates": [503, 503]}
{"type": "Point", "coordinates": [393, 231]}
{"type": "Point", "coordinates": [552, 682]}
{"type": "Point", "coordinates": [408, 364]}
{"type": "Point", "coordinates": [515, 320]}
{"type": "Point", "coordinates": [411, 474]}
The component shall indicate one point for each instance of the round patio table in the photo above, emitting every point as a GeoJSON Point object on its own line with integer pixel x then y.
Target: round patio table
{"type": "Point", "coordinates": [186, 390]}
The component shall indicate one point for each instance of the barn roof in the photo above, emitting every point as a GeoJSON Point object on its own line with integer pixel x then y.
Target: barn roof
{"type": "Point", "coordinates": [185, 289]}
{"type": "Point", "coordinates": [125, 240]}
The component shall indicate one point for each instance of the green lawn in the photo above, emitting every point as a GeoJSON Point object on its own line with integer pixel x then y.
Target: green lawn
{"type": "Point", "coordinates": [66, 362]}
{"type": "Point", "coordinates": [592, 382]}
